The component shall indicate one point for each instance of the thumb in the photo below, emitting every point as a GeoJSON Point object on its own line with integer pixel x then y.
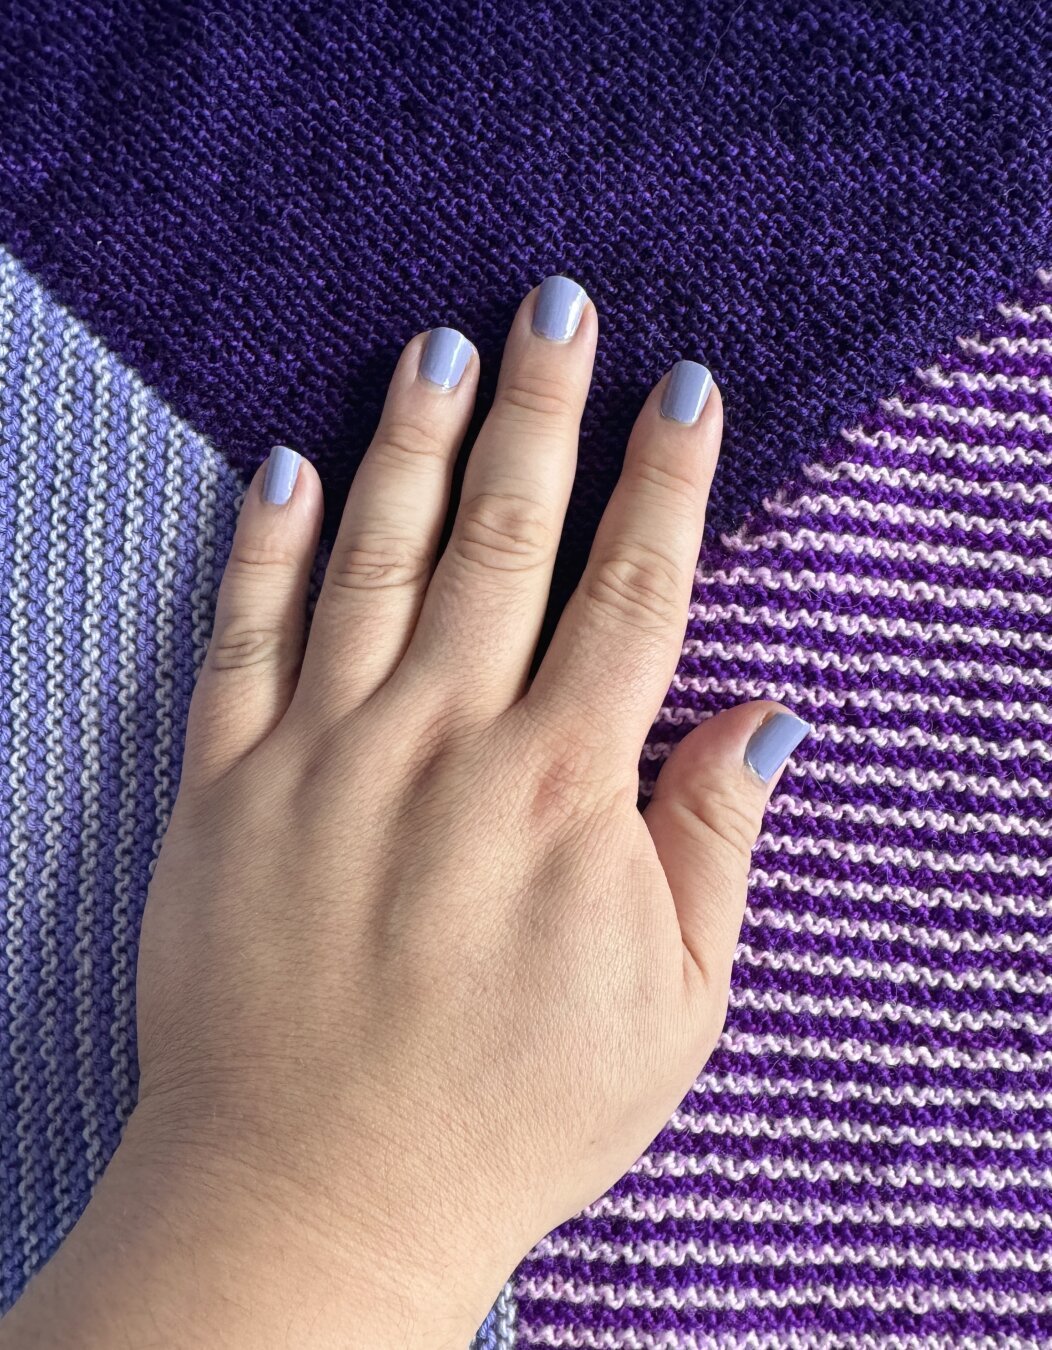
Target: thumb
{"type": "Point", "coordinates": [705, 817]}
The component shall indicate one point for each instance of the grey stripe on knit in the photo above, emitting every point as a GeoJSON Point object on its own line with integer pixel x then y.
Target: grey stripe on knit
{"type": "Point", "coordinates": [55, 811]}
{"type": "Point", "coordinates": [130, 707]}
{"type": "Point", "coordinates": [163, 621]}
{"type": "Point", "coordinates": [92, 770]}
{"type": "Point", "coordinates": [21, 825]}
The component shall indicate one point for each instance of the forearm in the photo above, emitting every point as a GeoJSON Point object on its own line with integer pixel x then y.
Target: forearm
{"type": "Point", "coordinates": [170, 1255]}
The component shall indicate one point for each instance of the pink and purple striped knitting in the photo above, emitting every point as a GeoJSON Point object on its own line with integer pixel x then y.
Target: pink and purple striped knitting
{"type": "Point", "coordinates": [866, 1160]}
{"type": "Point", "coordinates": [220, 227]}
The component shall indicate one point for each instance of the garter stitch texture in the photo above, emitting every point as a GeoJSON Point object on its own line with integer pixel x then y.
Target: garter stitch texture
{"type": "Point", "coordinates": [115, 521]}
{"type": "Point", "coordinates": [866, 1161]}
{"type": "Point", "coordinates": [256, 204]}
{"type": "Point", "coordinates": [253, 206]}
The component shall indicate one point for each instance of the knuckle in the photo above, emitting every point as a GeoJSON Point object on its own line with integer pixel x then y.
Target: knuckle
{"type": "Point", "coordinates": [536, 396]}
{"type": "Point", "coordinates": [240, 645]}
{"type": "Point", "coordinates": [404, 440]}
{"type": "Point", "coordinates": [503, 532]}
{"type": "Point", "coordinates": [568, 774]}
{"type": "Point", "coordinates": [254, 563]}
{"type": "Point", "coordinates": [376, 563]}
{"type": "Point", "coordinates": [678, 487]}
{"type": "Point", "coordinates": [560, 776]}
{"type": "Point", "coordinates": [725, 817]}
{"type": "Point", "coordinates": [638, 587]}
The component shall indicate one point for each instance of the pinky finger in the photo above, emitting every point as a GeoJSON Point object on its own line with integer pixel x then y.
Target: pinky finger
{"type": "Point", "coordinates": [254, 656]}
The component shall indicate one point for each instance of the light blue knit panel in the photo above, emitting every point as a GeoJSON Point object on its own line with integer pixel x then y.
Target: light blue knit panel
{"type": "Point", "coordinates": [115, 523]}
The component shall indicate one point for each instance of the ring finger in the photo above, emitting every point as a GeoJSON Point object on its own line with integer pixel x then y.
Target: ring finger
{"type": "Point", "coordinates": [632, 600]}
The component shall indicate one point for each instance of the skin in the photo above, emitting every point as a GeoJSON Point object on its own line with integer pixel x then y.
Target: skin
{"type": "Point", "coordinates": [417, 980]}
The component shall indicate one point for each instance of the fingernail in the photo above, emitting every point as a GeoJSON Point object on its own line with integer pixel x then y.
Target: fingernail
{"type": "Point", "coordinates": [560, 304]}
{"type": "Point", "coordinates": [773, 742]}
{"type": "Point", "coordinates": [283, 465]}
{"type": "Point", "coordinates": [686, 393]}
{"type": "Point", "coordinates": [445, 357]}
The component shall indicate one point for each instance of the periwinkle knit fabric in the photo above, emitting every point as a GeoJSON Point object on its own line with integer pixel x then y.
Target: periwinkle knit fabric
{"type": "Point", "coordinates": [256, 204]}
{"type": "Point", "coordinates": [866, 1161]}
{"type": "Point", "coordinates": [115, 521]}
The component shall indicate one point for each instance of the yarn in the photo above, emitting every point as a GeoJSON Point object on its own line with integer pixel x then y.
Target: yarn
{"type": "Point", "coordinates": [256, 205]}
{"type": "Point", "coordinates": [866, 1159]}
{"type": "Point", "coordinates": [115, 522]}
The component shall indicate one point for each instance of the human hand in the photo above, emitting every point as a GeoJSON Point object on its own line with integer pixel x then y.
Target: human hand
{"type": "Point", "coordinates": [417, 981]}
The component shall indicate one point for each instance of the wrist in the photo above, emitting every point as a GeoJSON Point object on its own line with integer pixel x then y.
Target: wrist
{"type": "Point", "coordinates": [205, 1248]}
{"type": "Point", "coordinates": [386, 1238]}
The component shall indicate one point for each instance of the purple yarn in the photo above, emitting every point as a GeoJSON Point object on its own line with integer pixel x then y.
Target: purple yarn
{"type": "Point", "coordinates": [114, 522]}
{"type": "Point", "coordinates": [867, 1156]}
{"type": "Point", "coordinates": [256, 205]}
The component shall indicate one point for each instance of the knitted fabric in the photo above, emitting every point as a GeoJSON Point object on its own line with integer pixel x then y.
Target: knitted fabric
{"type": "Point", "coordinates": [255, 204]}
{"type": "Point", "coordinates": [866, 1160]}
{"type": "Point", "coordinates": [115, 521]}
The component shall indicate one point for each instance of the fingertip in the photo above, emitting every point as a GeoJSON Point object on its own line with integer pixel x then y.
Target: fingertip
{"type": "Point", "coordinates": [590, 321]}
{"type": "Point", "coordinates": [686, 396]}
{"type": "Point", "coordinates": [279, 472]}
{"type": "Point", "coordinates": [442, 359]}
{"type": "Point", "coordinates": [285, 492]}
{"type": "Point", "coordinates": [310, 492]}
{"type": "Point", "coordinates": [749, 744]}
{"type": "Point", "coordinates": [309, 480]}
{"type": "Point", "coordinates": [559, 310]}
{"type": "Point", "coordinates": [776, 734]}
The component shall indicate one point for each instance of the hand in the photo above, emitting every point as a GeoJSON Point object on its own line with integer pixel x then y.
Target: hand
{"type": "Point", "coordinates": [417, 981]}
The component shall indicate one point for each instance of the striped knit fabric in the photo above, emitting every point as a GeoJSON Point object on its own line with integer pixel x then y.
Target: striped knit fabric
{"type": "Point", "coordinates": [114, 524]}
{"type": "Point", "coordinates": [498, 1330]}
{"type": "Point", "coordinates": [866, 1160]}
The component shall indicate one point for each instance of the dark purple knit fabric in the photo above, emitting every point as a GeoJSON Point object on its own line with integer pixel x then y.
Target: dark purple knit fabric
{"type": "Point", "coordinates": [256, 204]}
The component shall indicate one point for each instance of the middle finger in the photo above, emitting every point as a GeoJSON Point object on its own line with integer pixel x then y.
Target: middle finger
{"type": "Point", "coordinates": [482, 615]}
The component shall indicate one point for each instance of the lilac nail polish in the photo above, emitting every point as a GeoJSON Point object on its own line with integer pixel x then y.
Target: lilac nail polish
{"type": "Point", "coordinates": [445, 357]}
{"type": "Point", "coordinates": [773, 741]}
{"type": "Point", "coordinates": [686, 393]}
{"type": "Point", "coordinates": [558, 309]}
{"type": "Point", "coordinates": [283, 465]}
